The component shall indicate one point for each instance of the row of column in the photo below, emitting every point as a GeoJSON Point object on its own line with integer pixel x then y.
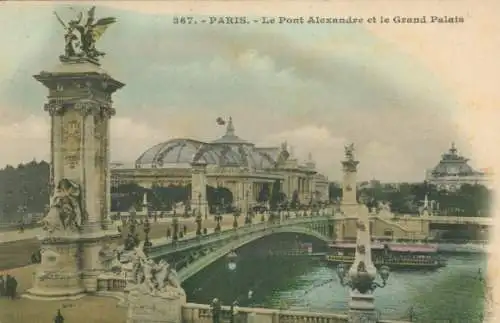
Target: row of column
{"type": "Point", "coordinates": [303, 185]}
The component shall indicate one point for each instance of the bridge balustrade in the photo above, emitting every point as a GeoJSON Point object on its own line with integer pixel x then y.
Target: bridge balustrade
{"type": "Point", "coordinates": [201, 313]}
{"type": "Point", "coordinates": [185, 244]}
{"type": "Point", "coordinates": [111, 283]}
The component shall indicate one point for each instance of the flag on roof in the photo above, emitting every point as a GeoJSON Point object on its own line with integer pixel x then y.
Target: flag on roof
{"type": "Point", "coordinates": [220, 121]}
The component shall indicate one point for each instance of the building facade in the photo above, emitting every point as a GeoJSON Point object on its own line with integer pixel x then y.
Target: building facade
{"type": "Point", "coordinates": [229, 162]}
{"type": "Point", "coordinates": [453, 171]}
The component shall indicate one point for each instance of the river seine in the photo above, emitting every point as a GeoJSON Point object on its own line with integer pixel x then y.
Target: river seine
{"type": "Point", "coordinates": [450, 294]}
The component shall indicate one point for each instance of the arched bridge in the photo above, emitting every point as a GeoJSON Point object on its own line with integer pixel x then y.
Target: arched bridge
{"type": "Point", "coordinates": [192, 255]}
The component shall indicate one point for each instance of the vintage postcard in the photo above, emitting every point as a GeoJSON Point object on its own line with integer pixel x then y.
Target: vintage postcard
{"type": "Point", "coordinates": [249, 162]}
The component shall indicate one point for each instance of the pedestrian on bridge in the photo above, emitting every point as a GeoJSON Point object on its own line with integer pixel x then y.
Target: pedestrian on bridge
{"type": "Point", "coordinates": [11, 287]}
{"type": "Point", "coordinates": [58, 318]}
{"type": "Point", "coordinates": [216, 309]}
{"type": "Point", "coordinates": [2, 285]}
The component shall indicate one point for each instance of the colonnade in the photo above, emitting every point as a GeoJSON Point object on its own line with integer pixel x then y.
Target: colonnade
{"type": "Point", "coordinates": [244, 188]}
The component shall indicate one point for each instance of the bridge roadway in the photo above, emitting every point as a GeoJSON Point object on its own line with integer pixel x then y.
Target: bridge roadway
{"type": "Point", "coordinates": [204, 250]}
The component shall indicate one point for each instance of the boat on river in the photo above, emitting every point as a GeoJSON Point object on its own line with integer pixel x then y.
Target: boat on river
{"type": "Point", "coordinates": [395, 255]}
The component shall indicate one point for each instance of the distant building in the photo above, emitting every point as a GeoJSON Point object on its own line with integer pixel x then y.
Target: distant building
{"type": "Point", "coordinates": [453, 171]}
{"type": "Point", "coordinates": [231, 162]}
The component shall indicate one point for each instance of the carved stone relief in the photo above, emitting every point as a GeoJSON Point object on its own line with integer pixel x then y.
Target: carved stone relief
{"type": "Point", "coordinates": [71, 142]}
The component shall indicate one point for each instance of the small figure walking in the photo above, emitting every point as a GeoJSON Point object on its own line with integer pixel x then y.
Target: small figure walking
{"type": "Point", "coordinates": [234, 311]}
{"type": "Point", "coordinates": [216, 309]}
{"type": "Point", "coordinates": [2, 286]}
{"type": "Point", "coordinates": [11, 286]}
{"type": "Point", "coordinates": [58, 318]}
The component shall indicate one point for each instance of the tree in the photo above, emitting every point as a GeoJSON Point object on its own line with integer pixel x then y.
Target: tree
{"type": "Point", "coordinates": [264, 194]}
{"type": "Point", "coordinates": [276, 195]}
{"type": "Point", "coordinates": [335, 191]}
{"type": "Point", "coordinates": [215, 196]}
{"type": "Point", "coordinates": [295, 200]}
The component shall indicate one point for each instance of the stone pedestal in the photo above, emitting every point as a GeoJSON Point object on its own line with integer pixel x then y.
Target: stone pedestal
{"type": "Point", "coordinates": [59, 275]}
{"type": "Point", "coordinates": [80, 108]}
{"type": "Point", "coordinates": [163, 307]}
{"type": "Point", "coordinates": [362, 308]}
{"type": "Point", "coordinates": [70, 265]}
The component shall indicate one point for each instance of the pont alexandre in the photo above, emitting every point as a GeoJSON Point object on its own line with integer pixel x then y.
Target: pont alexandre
{"type": "Point", "coordinates": [334, 20]}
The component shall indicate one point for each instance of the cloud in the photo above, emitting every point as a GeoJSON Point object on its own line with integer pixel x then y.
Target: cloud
{"type": "Point", "coordinates": [30, 138]}
{"type": "Point", "coordinates": [317, 85]}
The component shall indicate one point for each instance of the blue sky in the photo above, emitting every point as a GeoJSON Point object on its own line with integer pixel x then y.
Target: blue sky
{"type": "Point", "coordinates": [316, 86]}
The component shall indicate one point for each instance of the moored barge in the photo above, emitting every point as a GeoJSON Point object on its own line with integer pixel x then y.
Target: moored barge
{"type": "Point", "coordinates": [395, 256]}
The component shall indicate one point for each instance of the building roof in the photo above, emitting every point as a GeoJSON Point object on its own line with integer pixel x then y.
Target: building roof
{"type": "Point", "coordinates": [452, 163]}
{"type": "Point", "coordinates": [230, 137]}
{"type": "Point", "coordinates": [228, 150]}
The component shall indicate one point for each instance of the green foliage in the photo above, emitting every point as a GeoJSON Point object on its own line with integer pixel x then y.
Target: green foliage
{"type": "Point", "coordinates": [277, 196]}
{"type": "Point", "coordinates": [335, 191]}
{"type": "Point", "coordinates": [163, 198]}
{"type": "Point", "coordinates": [25, 187]}
{"type": "Point", "coordinates": [217, 196]}
{"type": "Point", "coordinates": [464, 290]}
{"type": "Point", "coordinates": [469, 200]}
{"type": "Point", "coordinates": [124, 196]}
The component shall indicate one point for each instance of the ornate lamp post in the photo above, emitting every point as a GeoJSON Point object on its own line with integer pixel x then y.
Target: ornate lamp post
{"type": "Point", "coordinates": [231, 265]}
{"type": "Point", "coordinates": [218, 219]}
{"type": "Point", "coordinates": [198, 221]}
{"type": "Point", "coordinates": [361, 276]}
{"type": "Point", "coordinates": [147, 242]}
{"type": "Point", "coordinates": [175, 229]}
{"type": "Point", "coordinates": [248, 219]}
{"type": "Point", "coordinates": [235, 218]}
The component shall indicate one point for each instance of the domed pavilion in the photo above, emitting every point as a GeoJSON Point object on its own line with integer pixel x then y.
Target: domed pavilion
{"type": "Point", "coordinates": [246, 171]}
{"type": "Point", "coordinates": [453, 171]}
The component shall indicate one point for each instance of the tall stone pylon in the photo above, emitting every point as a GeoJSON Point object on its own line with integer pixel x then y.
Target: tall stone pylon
{"type": "Point", "coordinates": [80, 108]}
{"type": "Point", "coordinates": [349, 201]}
{"type": "Point", "coordinates": [348, 204]}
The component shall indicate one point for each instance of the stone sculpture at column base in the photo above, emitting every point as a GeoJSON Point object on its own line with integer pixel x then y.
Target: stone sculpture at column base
{"type": "Point", "coordinates": [155, 294]}
{"type": "Point", "coordinates": [165, 307]}
{"type": "Point", "coordinates": [362, 308]}
{"type": "Point", "coordinates": [58, 276]}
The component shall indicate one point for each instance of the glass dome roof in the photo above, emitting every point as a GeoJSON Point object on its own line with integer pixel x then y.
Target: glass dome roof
{"type": "Point", "coordinates": [229, 150]}
{"type": "Point", "coordinates": [178, 152]}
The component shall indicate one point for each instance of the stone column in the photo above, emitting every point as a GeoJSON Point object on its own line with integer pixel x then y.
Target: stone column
{"type": "Point", "coordinates": [199, 186]}
{"type": "Point", "coordinates": [241, 197]}
{"type": "Point", "coordinates": [311, 188]}
{"type": "Point", "coordinates": [349, 202]}
{"type": "Point", "coordinates": [250, 187]}
{"type": "Point", "coordinates": [79, 105]}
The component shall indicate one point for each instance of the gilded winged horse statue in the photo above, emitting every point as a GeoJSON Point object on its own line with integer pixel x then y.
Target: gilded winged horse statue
{"type": "Point", "coordinates": [83, 44]}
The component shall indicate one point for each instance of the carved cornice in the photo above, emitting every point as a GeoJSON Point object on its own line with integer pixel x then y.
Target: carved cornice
{"type": "Point", "coordinates": [53, 108]}
{"type": "Point", "coordinates": [87, 108]}
{"type": "Point", "coordinates": [107, 111]}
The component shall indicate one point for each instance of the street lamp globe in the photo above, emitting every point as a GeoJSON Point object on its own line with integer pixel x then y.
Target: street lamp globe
{"type": "Point", "coordinates": [384, 273]}
{"type": "Point", "coordinates": [231, 261]}
{"type": "Point", "coordinates": [341, 271]}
